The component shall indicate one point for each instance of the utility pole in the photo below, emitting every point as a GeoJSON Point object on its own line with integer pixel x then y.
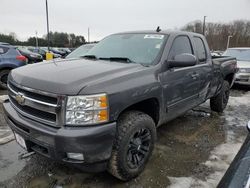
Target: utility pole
{"type": "Point", "coordinates": [204, 25]}
{"type": "Point", "coordinates": [36, 41]}
{"type": "Point", "coordinates": [228, 40]}
{"type": "Point", "coordinates": [47, 16]}
{"type": "Point", "coordinates": [88, 35]}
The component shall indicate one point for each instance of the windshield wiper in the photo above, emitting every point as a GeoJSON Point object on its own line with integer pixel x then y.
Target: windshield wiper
{"type": "Point", "coordinates": [89, 57]}
{"type": "Point", "coordinates": [122, 59]}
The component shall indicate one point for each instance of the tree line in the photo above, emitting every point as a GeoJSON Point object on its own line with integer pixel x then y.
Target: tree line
{"type": "Point", "coordinates": [217, 34]}
{"type": "Point", "coordinates": [57, 39]}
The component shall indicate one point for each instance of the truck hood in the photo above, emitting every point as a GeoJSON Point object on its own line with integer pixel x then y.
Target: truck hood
{"type": "Point", "coordinates": [243, 64]}
{"type": "Point", "coordinates": [69, 76]}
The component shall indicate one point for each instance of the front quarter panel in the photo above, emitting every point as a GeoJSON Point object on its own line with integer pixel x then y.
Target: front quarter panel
{"type": "Point", "coordinates": [127, 90]}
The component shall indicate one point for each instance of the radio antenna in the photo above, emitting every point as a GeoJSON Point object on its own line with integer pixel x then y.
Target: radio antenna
{"type": "Point", "coordinates": [158, 29]}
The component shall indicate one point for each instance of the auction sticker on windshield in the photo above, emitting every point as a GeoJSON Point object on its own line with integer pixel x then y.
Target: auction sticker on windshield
{"type": "Point", "coordinates": [153, 36]}
{"type": "Point", "coordinates": [20, 141]}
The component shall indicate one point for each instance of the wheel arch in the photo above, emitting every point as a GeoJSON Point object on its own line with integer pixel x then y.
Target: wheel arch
{"type": "Point", "coordinates": [149, 106]}
{"type": "Point", "coordinates": [230, 78]}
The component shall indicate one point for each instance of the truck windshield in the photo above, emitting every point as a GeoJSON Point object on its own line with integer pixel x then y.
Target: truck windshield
{"type": "Point", "coordinates": [137, 48]}
{"type": "Point", "coordinates": [239, 54]}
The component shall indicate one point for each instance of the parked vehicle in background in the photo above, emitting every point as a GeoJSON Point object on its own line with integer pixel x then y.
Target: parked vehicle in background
{"type": "Point", "coordinates": [66, 50]}
{"type": "Point", "coordinates": [72, 49]}
{"type": "Point", "coordinates": [80, 51]}
{"type": "Point", "coordinates": [40, 51]}
{"type": "Point", "coordinates": [55, 55]}
{"type": "Point", "coordinates": [243, 62]}
{"type": "Point", "coordinates": [10, 58]}
{"type": "Point", "coordinates": [216, 53]}
{"type": "Point", "coordinates": [57, 51]}
{"type": "Point", "coordinates": [238, 175]}
{"type": "Point", "coordinates": [4, 43]}
{"type": "Point", "coordinates": [31, 56]}
{"type": "Point", "coordinates": [101, 111]}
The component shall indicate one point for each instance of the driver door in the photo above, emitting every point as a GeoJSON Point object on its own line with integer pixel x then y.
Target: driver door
{"type": "Point", "coordinates": [180, 84]}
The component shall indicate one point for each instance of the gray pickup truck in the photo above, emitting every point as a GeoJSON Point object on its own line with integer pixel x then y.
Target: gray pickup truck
{"type": "Point", "coordinates": [100, 112]}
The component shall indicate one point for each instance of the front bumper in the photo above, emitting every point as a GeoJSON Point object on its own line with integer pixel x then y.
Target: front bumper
{"type": "Point", "coordinates": [242, 79]}
{"type": "Point", "coordinates": [94, 142]}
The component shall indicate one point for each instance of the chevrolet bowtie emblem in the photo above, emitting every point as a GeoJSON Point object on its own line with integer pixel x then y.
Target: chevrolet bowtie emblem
{"type": "Point", "coordinates": [20, 98]}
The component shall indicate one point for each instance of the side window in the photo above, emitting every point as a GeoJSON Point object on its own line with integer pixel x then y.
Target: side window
{"type": "Point", "coordinates": [180, 45]}
{"type": "Point", "coordinates": [200, 49]}
{"type": "Point", "coordinates": [3, 50]}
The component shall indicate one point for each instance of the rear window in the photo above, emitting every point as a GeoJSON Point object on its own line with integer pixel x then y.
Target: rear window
{"type": "Point", "coordinates": [200, 49]}
{"type": "Point", "coordinates": [3, 50]}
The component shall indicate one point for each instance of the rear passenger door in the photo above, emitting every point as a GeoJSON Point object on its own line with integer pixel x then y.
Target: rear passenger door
{"type": "Point", "coordinates": [204, 67]}
{"type": "Point", "coordinates": [182, 84]}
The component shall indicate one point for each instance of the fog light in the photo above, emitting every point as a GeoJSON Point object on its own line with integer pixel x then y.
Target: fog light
{"type": "Point", "coordinates": [75, 156]}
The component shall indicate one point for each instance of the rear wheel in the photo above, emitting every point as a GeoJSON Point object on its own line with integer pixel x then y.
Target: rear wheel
{"type": "Point", "coordinates": [219, 102]}
{"type": "Point", "coordinates": [4, 78]}
{"type": "Point", "coordinates": [136, 134]}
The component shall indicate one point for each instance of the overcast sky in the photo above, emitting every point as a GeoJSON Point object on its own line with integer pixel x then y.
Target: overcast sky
{"type": "Point", "coordinates": [104, 17]}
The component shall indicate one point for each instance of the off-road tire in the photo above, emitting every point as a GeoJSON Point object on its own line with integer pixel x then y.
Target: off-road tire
{"type": "Point", "coordinates": [3, 73]}
{"type": "Point", "coordinates": [128, 125]}
{"type": "Point", "coordinates": [219, 102]}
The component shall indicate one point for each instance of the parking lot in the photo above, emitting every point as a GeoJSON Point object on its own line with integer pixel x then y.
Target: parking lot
{"type": "Point", "coordinates": [193, 150]}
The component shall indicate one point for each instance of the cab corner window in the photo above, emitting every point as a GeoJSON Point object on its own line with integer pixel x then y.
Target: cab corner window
{"type": "Point", "coordinates": [200, 49]}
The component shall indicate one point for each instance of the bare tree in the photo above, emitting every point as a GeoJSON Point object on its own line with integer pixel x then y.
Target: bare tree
{"type": "Point", "coordinates": [217, 33]}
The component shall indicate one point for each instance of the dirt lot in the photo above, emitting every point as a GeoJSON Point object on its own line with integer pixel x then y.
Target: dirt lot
{"type": "Point", "coordinates": [192, 151]}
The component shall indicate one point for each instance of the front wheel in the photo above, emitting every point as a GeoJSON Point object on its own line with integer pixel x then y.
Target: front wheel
{"type": "Point", "coordinates": [219, 102]}
{"type": "Point", "coordinates": [136, 135]}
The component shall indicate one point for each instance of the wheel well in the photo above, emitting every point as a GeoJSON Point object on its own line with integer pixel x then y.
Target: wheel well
{"type": "Point", "coordinates": [6, 68]}
{"type": "Point", "coordinates": [230, 78]}
{"type": "Point", "coordinates": [148, 106]}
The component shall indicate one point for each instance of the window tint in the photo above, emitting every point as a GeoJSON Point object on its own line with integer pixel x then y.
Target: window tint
{"type": "Point", "coordinates": [180, 45]}
{"type": "Point", "coordinates": [3, 50]}
{"type": "Point", "coordinates": [200, 49]}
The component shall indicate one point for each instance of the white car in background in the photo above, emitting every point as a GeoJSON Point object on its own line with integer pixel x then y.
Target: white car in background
{"type": "Point", "coordinates": [243, 62]}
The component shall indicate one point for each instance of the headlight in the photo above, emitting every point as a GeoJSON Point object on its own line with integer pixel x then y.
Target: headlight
{"type": "Point", "coordinates": [88, 109]}
{"type": "Point", "coordinates": [244, 70]}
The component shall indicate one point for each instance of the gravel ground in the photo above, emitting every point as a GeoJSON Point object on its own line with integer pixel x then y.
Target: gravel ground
{"type": "Point", "coordinates": [192, 151]}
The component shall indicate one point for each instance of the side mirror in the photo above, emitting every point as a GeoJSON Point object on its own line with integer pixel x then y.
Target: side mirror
{"type": "Point", "coordinates": [248, 126]}
{"type": "Point", "coordinates": [183, 60]}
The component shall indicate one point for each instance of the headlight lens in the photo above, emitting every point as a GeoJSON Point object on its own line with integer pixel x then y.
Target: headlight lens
{"type": "Point", "coordinates": [85, 110]}
{"type": "Point", "coordinates": [244, 70]}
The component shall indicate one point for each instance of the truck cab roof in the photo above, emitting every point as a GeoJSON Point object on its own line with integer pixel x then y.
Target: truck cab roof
{"type": "Point", "coordinates": [164, 32]}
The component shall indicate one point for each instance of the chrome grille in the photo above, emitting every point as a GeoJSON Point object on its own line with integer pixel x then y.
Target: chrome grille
{"type": "Point", "coordinates": [36, 105]}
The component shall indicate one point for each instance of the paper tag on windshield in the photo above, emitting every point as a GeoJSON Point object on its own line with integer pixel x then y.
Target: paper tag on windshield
{"type": "Point", "coordinates": [152, 36]}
